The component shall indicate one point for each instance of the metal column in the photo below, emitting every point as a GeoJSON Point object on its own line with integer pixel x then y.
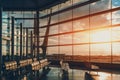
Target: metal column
{"type": "Point", "coordinates": [45, 42]}
{"type": "Point", "coordinates": [8, 41]}
{"type": "Point", "coordinates": [0, 39]}
{"type": "Point", "coordinates": [32, 44]}
{"type": "Point", "coordinates": [21, 41]}
{"type": "Point", "coordinates": [12, 39]}
{"type": "Point", "coordinates": [37, 34]}
{"type": "Point", "coordinates": [17, 40]}
{"type": "Point", "coordinates": [26, 42]}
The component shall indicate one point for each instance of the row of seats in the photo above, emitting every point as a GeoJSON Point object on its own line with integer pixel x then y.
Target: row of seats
{"type": "Point", "coordinates": [24, 63]}
{"type": "Point", "coordinates": [12, 65]}
{"type": "Point", "coordinates": [37, 65]}
{"type": "Point", "coordinates": [34, 64]}
{"type": "Point", "coordinates": [44, 62]}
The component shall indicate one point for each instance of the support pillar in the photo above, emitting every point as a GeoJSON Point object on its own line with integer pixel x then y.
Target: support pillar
{"type": "Point", "coordinates": [38, 53]}
{"type": "Point", "coordinates": [21, 41]}
{"type": "Point", "coordinates": [0, 39]}
{"type": "Point", "coordinates": [12, 39]}
{"type": "Point", "coordinates": [31, 45]}
{"type": "Point", "coordinates": [26, 42]}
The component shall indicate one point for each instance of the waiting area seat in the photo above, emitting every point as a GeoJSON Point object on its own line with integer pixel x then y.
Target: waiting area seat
{"type": "Point", "coordinates": [23, 63]}
{"type": "Point", "coordinates": [12, 65]}
{"type": "Point", "coordinates": [37, 65]}
{"type": "Point", "coordinates": [14, 68]}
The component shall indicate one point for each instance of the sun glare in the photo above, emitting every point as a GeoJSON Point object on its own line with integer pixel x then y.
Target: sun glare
{"type": "Point", "coordinates": [100, 36]}
{"type": "Point", "coordinates": [103, 76]}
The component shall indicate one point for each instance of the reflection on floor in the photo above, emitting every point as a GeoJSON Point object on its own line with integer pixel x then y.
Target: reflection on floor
{"type": "Point", "coordinates": [55, 74]}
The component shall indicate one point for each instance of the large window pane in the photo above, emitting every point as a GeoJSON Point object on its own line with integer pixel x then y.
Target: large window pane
{"type": "Point", "coordinates": [100, 6]}
{"type": "Point", "coordinates": [43, 22]}
{"type": "Point", "coordinates": [115, 33]}
{"type": "Point", "coordinates": [102, 35]}
{"type": "Point", "coordinates": [81, 37]}
{"type": "Point", "coordinates": [54, 19]}
{"type": "Point", "coordinates": [101, 53]}
{"type": "Point", "coordinates": [115, 3]}
{"type": "Point", "coordinates": [116, 52]}
{"type": "Point", "coordinates": [65, 16]}
{"type": "Point", "coordinates": [116, 17]}
{"type": "Point", "coordinates": [53, 40]}
{"type": "Point", "coordinates": [67, 50]}
{"type": "Point", "coordinates": [53, 29]}
{"type": "Point", "coordinates": [81, 11]}
{"type": "Point", "coordinates": [81, 53]}
{"type": "Point", "coordinates": [100, 20]}
{"type": "Point", "coordinates": [43, 31]}
{"type": "Point", "coordinates": [81, 24]}
{"type": "Point", "coordinates": [65, 27]}
{"type": "Point", "coordinates": [52, 50]}
{"type": "Point", "coordinates": [66, 39]}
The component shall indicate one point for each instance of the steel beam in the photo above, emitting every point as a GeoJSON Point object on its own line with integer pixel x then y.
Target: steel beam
{"type": "Point", "coordinates": [26, 42]}
{"type": "Point", "coordinates": [21, 41]}
{"type": "Point", "coordinates": [17, 40]}
{"type": "Point", "coordinates": [37, 26]}
{"type": "Point", "coordinates": [12, 39]}
{"type": "Point", "coordinates": [8, 42]}
{"type": "Point", "coordinates": [31, 44]}
{"type": "Point", "coordinates": [0, 39]}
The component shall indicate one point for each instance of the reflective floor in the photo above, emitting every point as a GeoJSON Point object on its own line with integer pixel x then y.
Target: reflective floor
{"type": "Point", "coordinates": [56, 74]}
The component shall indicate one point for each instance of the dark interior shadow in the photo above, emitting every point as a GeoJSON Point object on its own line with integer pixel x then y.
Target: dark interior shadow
{"type": "Point", "coordinates": [65, 75]}
{"type": "Point", "coordinates": [88, 76]}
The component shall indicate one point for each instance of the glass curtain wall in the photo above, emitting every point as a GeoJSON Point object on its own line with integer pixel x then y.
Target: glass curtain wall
{"type": "Point", "coordinates": [89, 33]}
{"type": "Point", "coordinates": [6, 32]}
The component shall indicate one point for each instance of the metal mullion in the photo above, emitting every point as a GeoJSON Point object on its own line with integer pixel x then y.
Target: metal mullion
{"type": "Point", "coordinates": [30, 27]}
{"type": "Point", "coordinates": [84, 43]}
{"type": "Point", "coordinates": [111, 36]}
{"type": "Point", "coordinates": [72, 41]}
{"type": "Point", "coordinates": [89, 38]}
{"type": "Point", "coordinates": [58, 30]}
{"type": "Point", "coordinates": [25, 18]}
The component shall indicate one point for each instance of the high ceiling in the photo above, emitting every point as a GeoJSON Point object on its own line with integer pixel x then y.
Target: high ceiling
{"type": "Point", "coordinates": [29, 5]}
